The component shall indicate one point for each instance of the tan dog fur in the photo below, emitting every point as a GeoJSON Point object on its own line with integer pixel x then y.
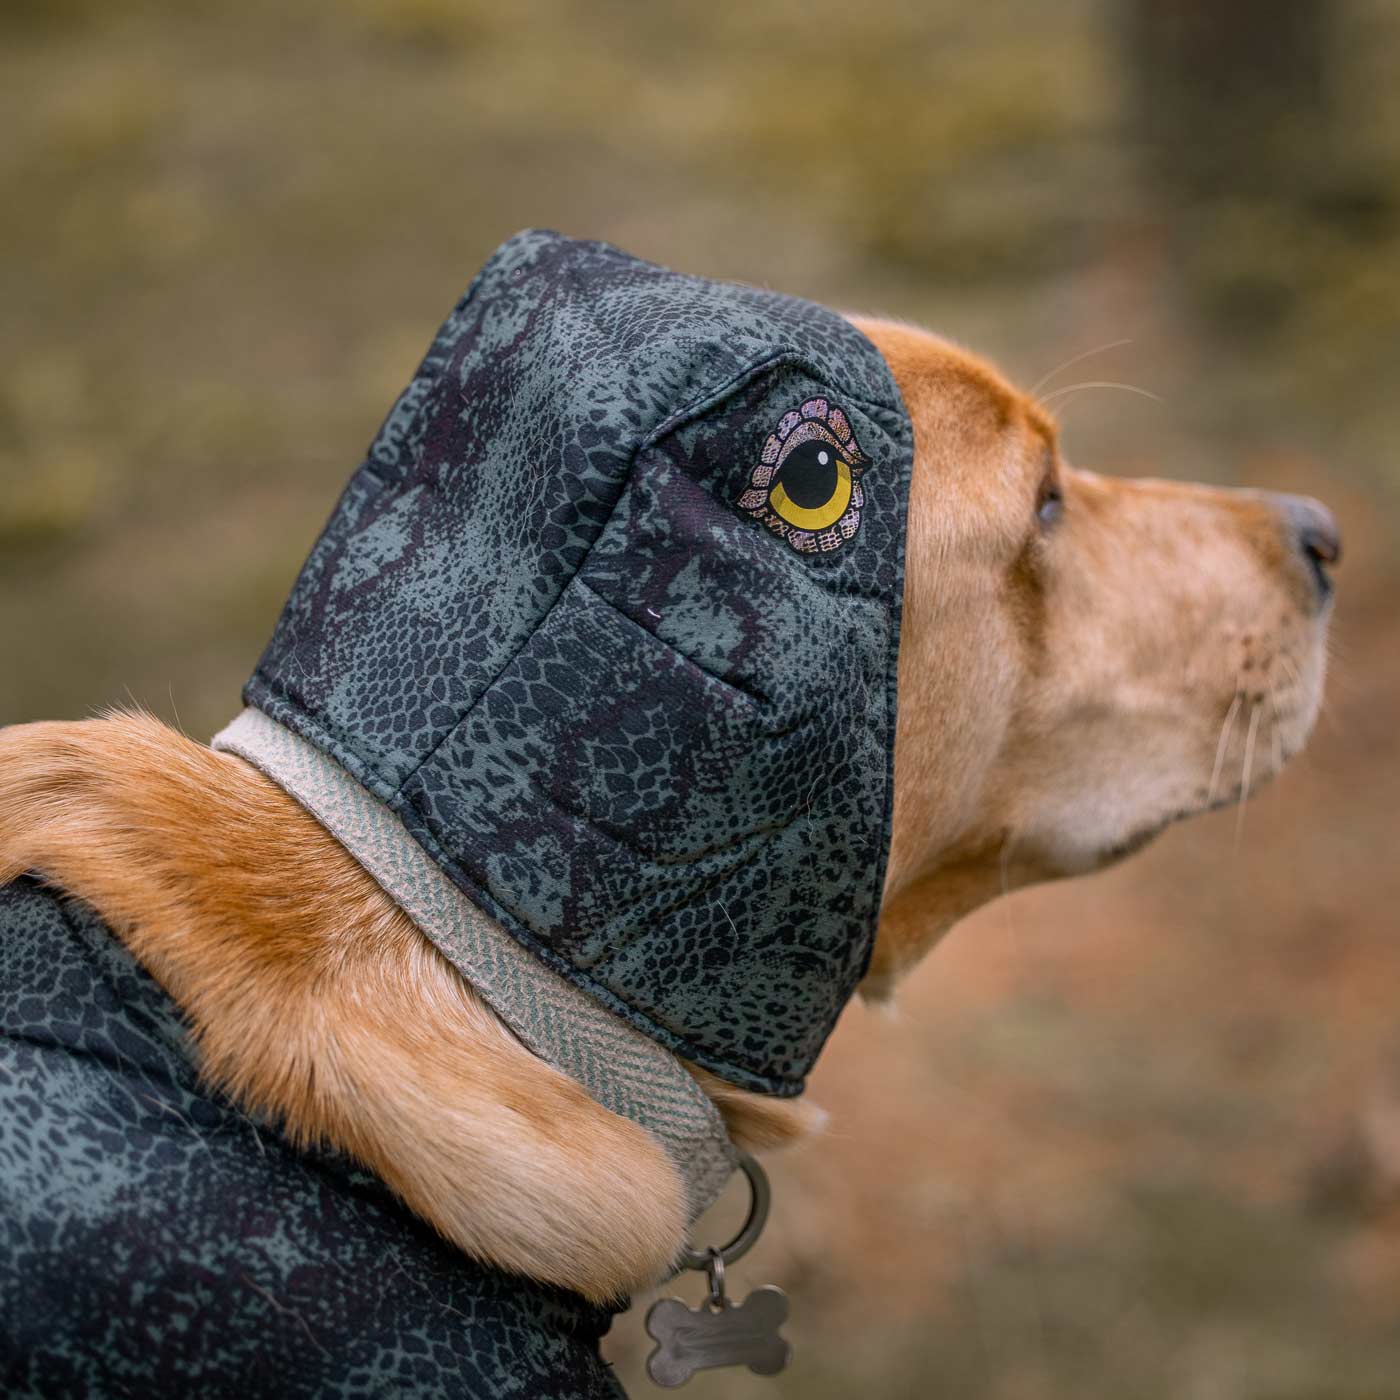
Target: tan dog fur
{"type": "Point", "coordinates": [1065, 690]}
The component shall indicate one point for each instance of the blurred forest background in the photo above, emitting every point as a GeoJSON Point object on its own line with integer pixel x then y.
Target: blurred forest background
{"type": "Point", "coordinates": [1137, 1136]}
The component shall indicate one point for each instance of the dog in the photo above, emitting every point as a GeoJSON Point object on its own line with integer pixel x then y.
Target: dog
{"type": "Point", "coordinates": [1082, 661]}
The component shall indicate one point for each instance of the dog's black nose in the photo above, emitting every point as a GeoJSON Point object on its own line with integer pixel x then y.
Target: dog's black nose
{"type": "Point", "coordinates": [1314, 530]}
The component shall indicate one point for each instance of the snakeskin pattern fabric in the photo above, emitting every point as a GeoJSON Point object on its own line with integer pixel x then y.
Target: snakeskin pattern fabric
{"type": "Point", "coordinates": [155, 1241]}
{"type": "Point", "coordinates": [646, 732]}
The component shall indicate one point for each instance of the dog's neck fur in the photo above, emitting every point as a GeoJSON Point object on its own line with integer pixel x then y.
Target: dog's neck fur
{"type": "Point", "coordinates": [314, 1000]}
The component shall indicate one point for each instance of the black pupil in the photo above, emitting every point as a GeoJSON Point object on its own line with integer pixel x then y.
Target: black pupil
{"type": "Point", "coordinates": [809, 475]}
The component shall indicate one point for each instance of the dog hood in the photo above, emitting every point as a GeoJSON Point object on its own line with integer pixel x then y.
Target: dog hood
{"type": "Point", "coordinates": [609, 620]}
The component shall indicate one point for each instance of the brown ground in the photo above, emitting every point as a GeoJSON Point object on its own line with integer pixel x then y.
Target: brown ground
{"type": "Point", "coordinates": [1137, 1136]}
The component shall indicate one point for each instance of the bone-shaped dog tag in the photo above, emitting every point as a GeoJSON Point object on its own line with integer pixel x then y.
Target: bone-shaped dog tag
{"type": "Point", "coordinates": [718, 1334]}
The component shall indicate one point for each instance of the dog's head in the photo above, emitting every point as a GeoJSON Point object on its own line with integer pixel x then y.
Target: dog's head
{"type": "Point", "coordinates": [605, 619]}
{"type": "Point", "coordinates": [1084, 660]}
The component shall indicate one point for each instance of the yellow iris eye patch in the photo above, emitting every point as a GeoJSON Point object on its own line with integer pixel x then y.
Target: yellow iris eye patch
{"type": "Point", "coordinates": [813, 489]}
{"type": "Point", "coordinates": [807, 486]}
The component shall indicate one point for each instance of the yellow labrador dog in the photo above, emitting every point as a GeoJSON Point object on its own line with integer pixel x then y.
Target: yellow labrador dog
{"type": "Point", "coordinates": [1074, 651]}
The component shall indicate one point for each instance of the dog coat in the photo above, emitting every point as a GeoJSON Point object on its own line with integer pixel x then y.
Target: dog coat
{"type": "Point", "coordinates": [593, 669]}
{"type": "Point", "coordinates": [156, 1241]}
{"type": "Point", "coordinates": [608, 620]}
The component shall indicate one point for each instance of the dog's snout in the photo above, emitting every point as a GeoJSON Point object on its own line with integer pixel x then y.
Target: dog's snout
{"type": "Point", "coordinates": [1314, 532]}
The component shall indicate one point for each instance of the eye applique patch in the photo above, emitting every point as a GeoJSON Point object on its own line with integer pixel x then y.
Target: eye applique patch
{"type": "Point", "coordinates": [806, 487]}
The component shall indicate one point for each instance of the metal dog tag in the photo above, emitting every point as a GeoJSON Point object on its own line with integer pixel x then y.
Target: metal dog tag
{"type": "Point", "coordinates": [718, 1334]}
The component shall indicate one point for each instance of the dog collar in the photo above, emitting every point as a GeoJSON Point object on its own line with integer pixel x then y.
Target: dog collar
{"type": "Point", "coordinates": [618, 1066]}
{"type": "Point", "coordinates": [608, 620]}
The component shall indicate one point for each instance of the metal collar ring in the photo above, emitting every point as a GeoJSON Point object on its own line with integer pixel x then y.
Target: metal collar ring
{"type": "Point", "coordinates": [751, 1229]}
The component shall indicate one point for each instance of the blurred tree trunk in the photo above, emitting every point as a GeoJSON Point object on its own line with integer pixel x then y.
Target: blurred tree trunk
{"type": "Point", "coordinates": [1233, 94]}
{"type": "Point", "coordinates": [1233, 106]}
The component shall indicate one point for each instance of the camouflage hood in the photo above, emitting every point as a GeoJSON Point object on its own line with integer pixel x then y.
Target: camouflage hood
{"type": "Point", "coordinates": [609, 619]}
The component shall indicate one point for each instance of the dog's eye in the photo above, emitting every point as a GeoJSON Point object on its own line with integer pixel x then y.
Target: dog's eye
{"type": "Point", "coordinates": [813, 488]}
{"type": "Point", "coordinates": [1051, 505]}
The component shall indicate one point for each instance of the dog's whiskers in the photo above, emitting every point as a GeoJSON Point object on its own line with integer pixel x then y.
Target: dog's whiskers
{"type": "Point", "coordinates": [1255, 712]}
{"type": "Point", "coordinates": [1276, 732]}
{"type": "Point", "coordinates": [1074, 360]}
{"type": "Point", "coordinates": [1069, 389]}
{"type": "Point", "coordinates": [1222, 746]}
